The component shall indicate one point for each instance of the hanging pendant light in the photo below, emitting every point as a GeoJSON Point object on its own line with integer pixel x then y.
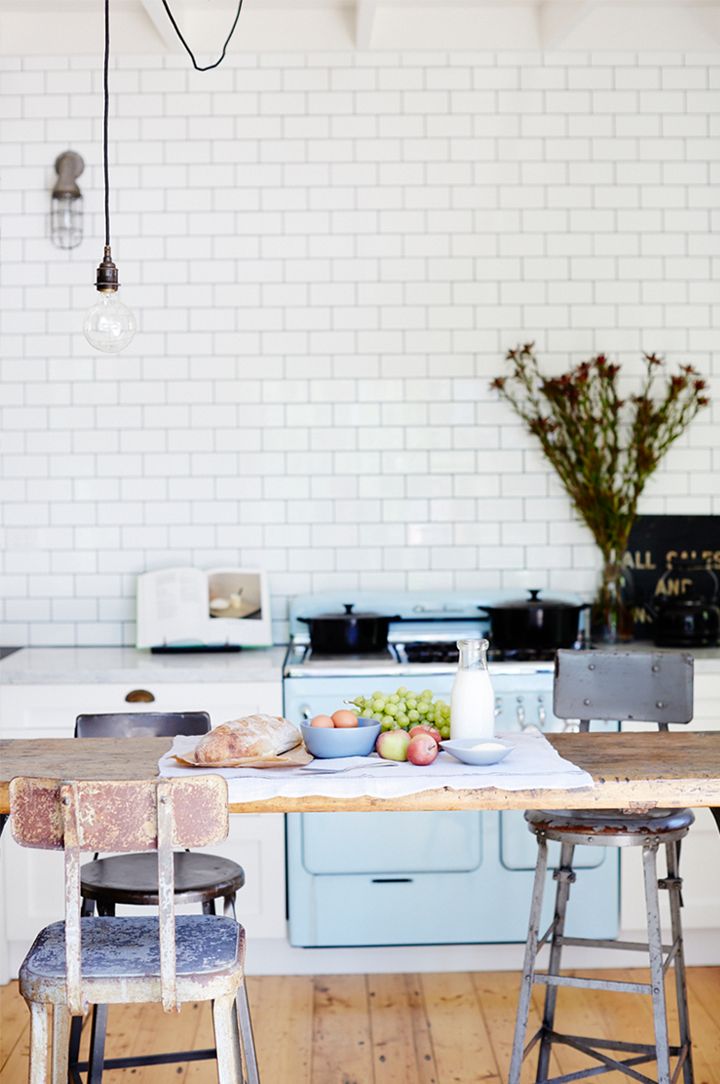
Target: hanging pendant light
{"type": "Point", "coordinates": [109, 325]}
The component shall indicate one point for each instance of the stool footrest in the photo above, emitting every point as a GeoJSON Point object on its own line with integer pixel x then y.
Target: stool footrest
{"type": "Point", "coordinates": [150, 1059]}
{"type": "Point", "coordinates": [594, 984]}
{"type": "Point", "coordinates": [590, 1043]}
{"type": "Point", "coordinates": [591, 942]}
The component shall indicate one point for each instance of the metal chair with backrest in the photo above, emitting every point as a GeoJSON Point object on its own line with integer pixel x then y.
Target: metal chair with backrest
{"type": "Point", "coordinates": [89, 960]}
{"type": "Point", "coordinates": [643, 687]}
{"type": "Point", "coordinates": [132, 879]}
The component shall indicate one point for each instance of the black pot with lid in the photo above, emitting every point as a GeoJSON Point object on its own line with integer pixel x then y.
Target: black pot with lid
{"type": "Point", "coordinates": [348, 633]}
{"type": "Point", "coordinates": [534, 623]}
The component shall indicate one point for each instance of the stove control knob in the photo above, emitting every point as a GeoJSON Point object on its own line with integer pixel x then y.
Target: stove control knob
{"type": "Point", "coordinates": [520, 713]}
{"type": "Point", "coordinates": [542, 715]}
{"type": "Point", "coordinates": [306, 713]}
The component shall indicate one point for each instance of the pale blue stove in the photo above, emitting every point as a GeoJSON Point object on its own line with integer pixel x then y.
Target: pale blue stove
{"type": "Point", "coordinates": [423, 878]}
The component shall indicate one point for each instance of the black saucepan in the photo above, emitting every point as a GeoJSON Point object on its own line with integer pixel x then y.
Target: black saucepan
{"type": "Point", "coordinates": [534, 624]}
{"type": "Point", "coordinates": [687, 622]}
{"type": "Point", "coordinates": [692, 618]}
{"type": "Point", "coordinates": [348, 633]}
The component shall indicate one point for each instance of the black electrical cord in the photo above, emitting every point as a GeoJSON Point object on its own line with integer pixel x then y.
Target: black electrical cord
{"type": "Point", "coordinates": [106, 110]}
{"type": "Point", "coordinates": [106, 91]}
{"type": "Point", "coordinates": [189, 51]}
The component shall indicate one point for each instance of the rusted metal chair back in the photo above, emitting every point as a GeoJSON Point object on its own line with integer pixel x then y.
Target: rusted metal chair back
{"type": "Point", "coordinates": [142, 724]}
{"type": "Point", "coordinates": [135, 815]}
{"type": "Point", "coordinates": [648, 687]}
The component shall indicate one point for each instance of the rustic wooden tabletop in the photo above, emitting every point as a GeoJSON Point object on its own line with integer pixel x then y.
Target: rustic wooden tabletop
{"type": "Point", "coordinates": [630, 770]}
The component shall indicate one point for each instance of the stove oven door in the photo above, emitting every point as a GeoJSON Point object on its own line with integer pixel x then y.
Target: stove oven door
{"type": "Point", "coordinates": [429, 878]}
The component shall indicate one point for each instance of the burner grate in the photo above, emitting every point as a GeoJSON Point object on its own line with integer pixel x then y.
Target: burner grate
{"type": "Point", "coordinates": [432, 651]}
{"type": "Point", "coordinates": [497, 654]}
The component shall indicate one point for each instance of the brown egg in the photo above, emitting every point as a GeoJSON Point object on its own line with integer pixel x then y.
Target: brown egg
{"type": "Point", "coordinates": [344, 719]}
{"type": "Point", "coordinates": [322, 720]}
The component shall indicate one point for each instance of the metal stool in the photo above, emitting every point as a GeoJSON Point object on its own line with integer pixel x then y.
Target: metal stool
{"type": "Point", "coordinates": [655, 688]}
{"type": "Point", "coordinates": [132, 879]}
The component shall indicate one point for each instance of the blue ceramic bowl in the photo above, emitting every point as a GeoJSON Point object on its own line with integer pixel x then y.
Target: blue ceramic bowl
{"type": "Point", "coordinates": [353, 741]}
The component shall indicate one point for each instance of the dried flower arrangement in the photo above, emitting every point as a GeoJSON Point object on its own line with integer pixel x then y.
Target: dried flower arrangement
{"type": "Point", "coordinates": [603, 447]}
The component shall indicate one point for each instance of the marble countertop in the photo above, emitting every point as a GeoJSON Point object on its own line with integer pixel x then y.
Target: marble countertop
{"type": "Point", "coordinates": [707, 659]}
{"type": "Point", "coordinates": [91, 665]}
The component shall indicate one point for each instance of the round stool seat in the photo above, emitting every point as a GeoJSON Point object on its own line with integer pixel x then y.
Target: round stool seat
{"type": "Point", "coordinates": [609, 826]}
{"type": "Point", "coordinates": [132, 878]}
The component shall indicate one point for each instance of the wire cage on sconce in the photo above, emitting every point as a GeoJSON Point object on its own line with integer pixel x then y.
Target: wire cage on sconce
{"type": "Point", "coordinates": [66, 206]}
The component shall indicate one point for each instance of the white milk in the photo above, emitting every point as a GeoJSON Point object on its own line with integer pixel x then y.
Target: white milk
{"type": "Point", "coordinates": [472, 702]}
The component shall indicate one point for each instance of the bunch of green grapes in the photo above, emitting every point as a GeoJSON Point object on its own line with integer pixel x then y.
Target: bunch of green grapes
{"type": "Point", "coordinates": [405, 708]}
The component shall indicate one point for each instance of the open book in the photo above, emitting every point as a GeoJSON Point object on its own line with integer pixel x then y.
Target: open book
{"type": "Point", "coordinates": [186, 607]}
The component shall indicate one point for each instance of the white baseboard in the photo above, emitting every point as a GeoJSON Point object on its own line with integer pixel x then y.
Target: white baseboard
{"type": "Point", "coordinates": [276, 957]}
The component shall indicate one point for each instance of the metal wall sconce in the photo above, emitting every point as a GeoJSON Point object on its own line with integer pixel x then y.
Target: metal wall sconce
{"type": "Point", "coordinates": [66, 213]}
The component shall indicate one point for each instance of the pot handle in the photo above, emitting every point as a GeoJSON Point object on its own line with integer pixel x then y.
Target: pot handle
{"type": "Point", "coordinates": [487, 613]}
{"type": "Point", "coordinates": [305, 620]}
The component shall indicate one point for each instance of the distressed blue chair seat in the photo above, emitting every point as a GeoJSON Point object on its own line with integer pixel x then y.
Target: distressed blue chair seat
{"type": "Point", "coordinates": [129, 947]}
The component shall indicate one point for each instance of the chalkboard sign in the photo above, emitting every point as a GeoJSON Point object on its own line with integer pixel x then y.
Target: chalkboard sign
{"type": "Point", "coordinates": [670, 556]}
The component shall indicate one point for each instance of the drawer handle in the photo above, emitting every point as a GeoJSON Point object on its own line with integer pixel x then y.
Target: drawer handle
{"type": "Point", "coordinates": [140, 696]}
{"type": "Point", "coordinates": [391, 880]}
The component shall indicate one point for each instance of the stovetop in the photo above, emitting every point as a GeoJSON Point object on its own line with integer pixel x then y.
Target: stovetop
{"type": "Point", "coordinates": [423, 639]}
{"type": "Point", "coordinates": [415, 657]}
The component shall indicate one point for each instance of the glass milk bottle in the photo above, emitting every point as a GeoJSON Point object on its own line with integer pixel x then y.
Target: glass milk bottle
{"type": "Point", "coordinates": [472, 702]}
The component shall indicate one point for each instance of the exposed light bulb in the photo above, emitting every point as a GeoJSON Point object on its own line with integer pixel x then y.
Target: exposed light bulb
{"type": "Point", "coordinates": [109, 325]}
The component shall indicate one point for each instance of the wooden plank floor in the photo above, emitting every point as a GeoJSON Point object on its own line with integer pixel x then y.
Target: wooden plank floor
{"type": "Point", "coordinates": [379, 1029]}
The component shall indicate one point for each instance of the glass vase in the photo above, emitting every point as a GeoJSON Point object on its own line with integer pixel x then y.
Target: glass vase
{"type": "Point", "coordinates": [611, 616]}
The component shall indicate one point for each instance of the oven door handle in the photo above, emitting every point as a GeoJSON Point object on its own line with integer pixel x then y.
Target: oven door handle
{"type": "Point", "coordinates": [391, 880]}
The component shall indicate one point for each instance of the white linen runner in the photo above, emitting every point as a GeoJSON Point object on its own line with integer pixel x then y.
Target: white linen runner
{"type": "Point", "coordinates": [533, 764]}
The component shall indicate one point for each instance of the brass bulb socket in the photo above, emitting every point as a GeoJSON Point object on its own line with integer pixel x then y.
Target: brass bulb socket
{"type": "Point", "coordinates": [106, 279]}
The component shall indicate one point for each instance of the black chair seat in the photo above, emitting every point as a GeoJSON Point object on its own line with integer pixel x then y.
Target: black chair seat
{"type": "Point", "coordinates": [132, 878]}
{"type": "Point", "coordinates": [609, 821]}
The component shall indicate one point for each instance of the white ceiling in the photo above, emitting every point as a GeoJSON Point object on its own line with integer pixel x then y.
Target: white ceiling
{"type": "Point", "coordinates": [140, 26]}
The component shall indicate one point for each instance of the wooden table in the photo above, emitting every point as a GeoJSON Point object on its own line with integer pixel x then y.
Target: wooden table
{"type": "Point", "coordinates": [631, 771]}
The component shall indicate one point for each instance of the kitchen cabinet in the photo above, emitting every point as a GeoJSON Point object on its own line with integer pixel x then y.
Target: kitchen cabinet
{"type": "Point", "coordinates": [31, 882]}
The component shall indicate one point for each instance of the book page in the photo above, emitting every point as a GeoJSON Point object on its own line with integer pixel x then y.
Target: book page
{"type": "Point", "coordinates": [237, 607]}
{"type": "Point", "coordinates": [171, 607]}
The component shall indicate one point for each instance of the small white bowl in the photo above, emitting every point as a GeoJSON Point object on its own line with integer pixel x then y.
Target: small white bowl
{"type": "Point", "coordinates": [477, 751]}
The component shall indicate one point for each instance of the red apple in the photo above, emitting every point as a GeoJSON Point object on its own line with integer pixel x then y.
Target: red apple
{"type": "Point", "coordinates": [393, 744]}
{"type": "Point", "coordinates": [422, 749]}
{"type": "Point", "coordinates": [425, 728]}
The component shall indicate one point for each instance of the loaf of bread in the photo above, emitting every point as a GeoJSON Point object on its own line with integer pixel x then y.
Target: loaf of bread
{"type": "Point", "coordinates": [252, 736]}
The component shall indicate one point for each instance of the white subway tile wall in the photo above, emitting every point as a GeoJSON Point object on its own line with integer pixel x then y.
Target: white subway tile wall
{"type": "Point", "coordinates": [328, 255]}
